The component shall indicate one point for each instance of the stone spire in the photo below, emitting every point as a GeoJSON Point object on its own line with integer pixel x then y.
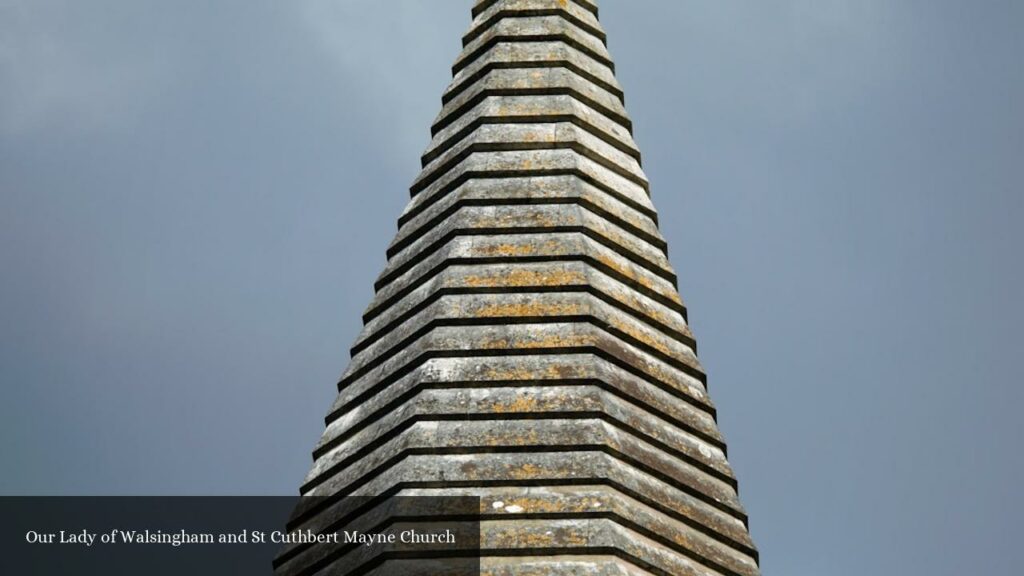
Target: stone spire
{"type": "Point", "coordinates": [527, 343]}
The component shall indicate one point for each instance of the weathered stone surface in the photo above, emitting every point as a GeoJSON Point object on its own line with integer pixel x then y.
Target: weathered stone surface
{"type": "Point", "coordinates": [526, 247]}
{"type": "Point", "coordinates": [520, 436]}
{"type": "Point", "coordinates": [530, 28]}
{"type": "Point", "coordinates": [526, 344]}
{"type": "Point", "coordinates": [480, 6]}
{"type": "Point", "coordinates": [368, 398]}
{"type": "Point", "coordinates": [584, 18]}
{"type": "Point", "coordinates": [506, 219]}
{"type": "Point", "coordinates": [627, 318]}
{"type": "Point", "coordinates": [679, 374]}
{"type": "Point", "coordinates": [534, 55]}
{"type": "Point", "coordinates": [520, 277]}
{"type": "Point", "coordinates": [548, 136]}
{"type": "Point", "coordinates": [535, 109]}
{"type": "Point", "coordinates": [532, 81]}
{"type": "Point", "coordinates": [589, 501]}
{"type": "Point", "coordinates": [528, 190]}
{"type": "Point", "coordinates": [526, 163]}
{"type": "Point", "coordinates": [535, 468]}
{"type": "Point", "coordinates": [363, 426]}
{"type": "Point", "coordinates": [596, 533]}
{"type": "Point", "coordinates": [536, 308]}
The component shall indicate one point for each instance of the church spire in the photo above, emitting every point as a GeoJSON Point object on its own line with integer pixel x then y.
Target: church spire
{"type": "Point", "coordinates": [527, 343]}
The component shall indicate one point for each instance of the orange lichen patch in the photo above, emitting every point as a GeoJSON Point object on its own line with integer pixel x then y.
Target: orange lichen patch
{"type": "Point", "coordinates": [527, 278]}
{"type": "Point", "coordinates": [512, 537]}
{"type": "Point", "coordinates": [614, 264]}
{"type": "Point", "coordinates": [590, 503]}
{"type": "Point", "coordinates": [512, 374]}
{"type": "Point", "coordinates": [521, 403]}
{"type": "Point", "coordinates": [542, 341]}
{"type": "Point", "coordinates": [569, 371]}
{"type": "Point", "coordinates": [546, 505]}
{"type": "Point", "coordinates": [529, 309]}
{"type": "Point", "coordinates": [551, 372]}
{"type": "Point", "coordinates": [682, 540]}
{"type": "Point", "coordinates": [538, 538]}
{"type": "Point", "coordinates": [526, 471]}
{"type": "Point", "coordinates": [572, 537]}
{"type": "Point", "coordinates": [494, 344]}
{"type": "Point", "coordinates": [555, 341]}
{"type": "Point", "coordinates": [526, 438]}
{"type": "Point", "coordinates": [540, 504]}
{"type": "Point", "coordinates": [507, 249]}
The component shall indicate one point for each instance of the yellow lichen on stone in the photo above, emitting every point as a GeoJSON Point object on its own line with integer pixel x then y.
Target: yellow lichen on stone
{"type": "Point", "coordinates": [521, 403]}
{"type": "Point", "coordinates": [526, 472]}
{"type": "Point", "coordinates": [513, 374]}
{"type": "Point", "coordinates": [494, 344]}
{"type": "Point", "coordinates": [550, 372]}
{"type": "Point", "coordinates": [529, 309]}
{"type": "Point", "coordinates": [507, 249]}
{"type": "Point", "coordinates": [527, 278]}
{"type": "Point", "coordinates": [556, 341]}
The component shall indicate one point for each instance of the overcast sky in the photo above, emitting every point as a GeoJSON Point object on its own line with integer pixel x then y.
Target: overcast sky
{"type": "Point", "coordinates": [195, 199]}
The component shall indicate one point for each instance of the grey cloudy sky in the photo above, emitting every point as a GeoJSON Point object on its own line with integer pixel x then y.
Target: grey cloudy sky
{"type": "Point", "coordinates": [195, 198]}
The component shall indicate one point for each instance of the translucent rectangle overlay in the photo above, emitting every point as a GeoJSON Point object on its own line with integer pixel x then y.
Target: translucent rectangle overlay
{"type": "Point", "coordinates": [234, 535]}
